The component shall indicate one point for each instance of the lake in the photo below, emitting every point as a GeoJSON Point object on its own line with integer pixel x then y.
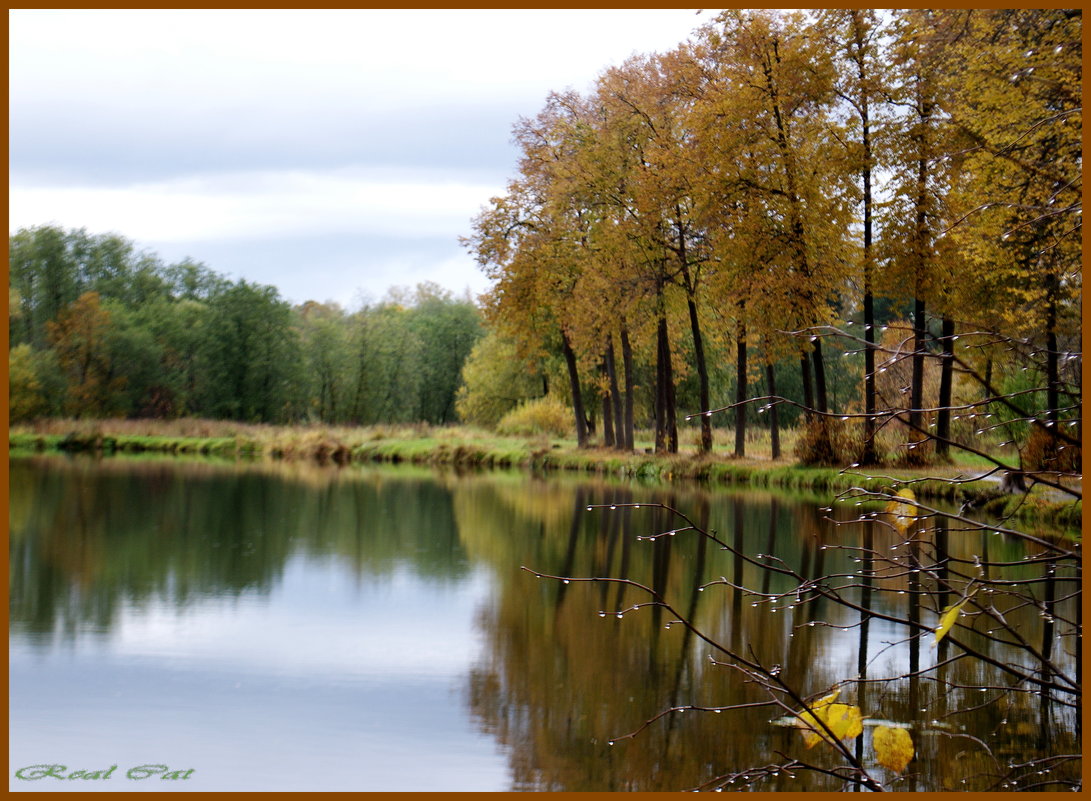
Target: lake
{"type": "Point", "coordinates": [188, 625]}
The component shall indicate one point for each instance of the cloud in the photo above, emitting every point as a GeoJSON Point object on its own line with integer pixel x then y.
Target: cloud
{"type": "Point", "coordinates": [349, 269]}
{"type": "Point", "coordinates": [267, 203]}
{"type": "Point", "coordinates": [136, 93]}
{"type": "Point", "coordinates": [246, 138]}
{"type": "Point", "coordinates": [57, 145]}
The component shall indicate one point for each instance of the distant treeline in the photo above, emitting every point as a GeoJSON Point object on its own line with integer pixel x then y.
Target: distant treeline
{"type": "Point", "coordinates": [101, 329]}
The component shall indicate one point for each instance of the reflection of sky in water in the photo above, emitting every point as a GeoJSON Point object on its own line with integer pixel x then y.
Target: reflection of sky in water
{"type": "Point", "coordinates": [330, 682]}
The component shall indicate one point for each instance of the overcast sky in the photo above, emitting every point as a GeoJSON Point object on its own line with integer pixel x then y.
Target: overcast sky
{"type": "Point", "coordinates": [333, 154]}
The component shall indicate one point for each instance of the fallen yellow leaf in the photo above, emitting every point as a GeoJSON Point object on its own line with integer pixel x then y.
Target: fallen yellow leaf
{"type": "Point", "coordinates": [893, 748]}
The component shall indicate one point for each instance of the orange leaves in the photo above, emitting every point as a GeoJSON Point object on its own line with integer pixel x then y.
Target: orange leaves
{"type": "Point", "coordinates": [79, 335]}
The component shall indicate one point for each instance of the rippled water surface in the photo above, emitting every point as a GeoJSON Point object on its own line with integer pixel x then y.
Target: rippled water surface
{"type": "Point", "coordinates": [280, 627]}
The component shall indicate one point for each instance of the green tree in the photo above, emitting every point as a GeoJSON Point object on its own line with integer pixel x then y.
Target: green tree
{"type": "Point", "coordinates": [250, 356]}
{"type": "Point", "coordinates": [35, 383]}
{"type": "Point", "coordinates": [495, 380]}
{"type": "Point", "coordinates": [447, 330]}
{"type": "Point", "coordinates": [325, 341]}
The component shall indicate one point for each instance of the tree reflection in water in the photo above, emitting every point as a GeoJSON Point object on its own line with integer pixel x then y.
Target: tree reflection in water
{"type": "Point", "coordinates": [567, 668]}
{"type": "Point", "coordinates": [821, 606]}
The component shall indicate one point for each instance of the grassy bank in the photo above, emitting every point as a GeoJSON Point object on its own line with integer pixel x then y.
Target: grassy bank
{"type": "Point", "coordinates": [465, 447]}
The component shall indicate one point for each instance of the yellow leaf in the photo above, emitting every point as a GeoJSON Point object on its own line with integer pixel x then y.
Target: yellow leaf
{"type": "Point", "coordinates": [903, 512]}
{"type": "Point", "coordinates": [947, 620]}
{"type": "Point", "coordinates": [844, 720]}
{"type": "Point", "coordinates": [826, 700]}
{"type": "Point", "coordinates": [893, 748]}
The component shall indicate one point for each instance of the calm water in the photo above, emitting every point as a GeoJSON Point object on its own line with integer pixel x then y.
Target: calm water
{"type": "Point", "coordinates": [273, 627]}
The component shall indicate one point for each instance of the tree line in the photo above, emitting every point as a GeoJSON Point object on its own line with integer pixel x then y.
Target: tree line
{"type": "Point", "coordinates": [100, 329]}
{"type": "Point", "coordinates": [786, 188]}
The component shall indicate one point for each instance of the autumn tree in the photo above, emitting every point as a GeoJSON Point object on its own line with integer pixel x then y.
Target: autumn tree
{"type": "Point", "coordinates": [775, 96]}
{"type": "Point", "coordinates": [646, 102]}
{"type": "Point", "coordinates": [854, 37]}
{"type": "Point", "coordinates": [80, 336]}
{"type": "Point", "coordinates": [533, 241]}
{"type": "Point", "coordinates": [1014, 79]}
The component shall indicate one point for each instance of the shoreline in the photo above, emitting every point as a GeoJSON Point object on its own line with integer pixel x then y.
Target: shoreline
{"type": "Point", "coordinates": [434, 449]}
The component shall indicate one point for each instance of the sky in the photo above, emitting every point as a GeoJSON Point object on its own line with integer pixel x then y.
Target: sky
{"type": "Point", "coordinates": [333, 154]}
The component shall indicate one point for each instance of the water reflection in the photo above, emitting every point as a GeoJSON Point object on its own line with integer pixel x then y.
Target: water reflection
{"type": "Point", "coordinates": [565, 673]}
{"type": "Point", "coordinates": [377, 577]}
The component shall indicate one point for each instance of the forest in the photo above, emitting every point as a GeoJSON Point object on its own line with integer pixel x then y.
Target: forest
{"type": "Point", "coordinates": [838, 197]}
{"type": "Point", "coordinates": [787, 219]}
{"type": "Point", "coordinates": [99, 329]}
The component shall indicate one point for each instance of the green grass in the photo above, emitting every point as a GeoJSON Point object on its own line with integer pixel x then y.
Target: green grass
{"type": "Point", "coordinates": [468, 447]}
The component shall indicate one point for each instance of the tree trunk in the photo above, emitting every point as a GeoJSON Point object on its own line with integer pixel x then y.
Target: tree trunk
{"type": "Point", "coordinates": [868, 456]}
{"type": "Point", "coordinates": [615, 394]}
{"type": "Point", "coordinates": [666, 424]}
{"type": "Point", "coordinates": [774, 425]}
{"type": "Point", "coordinates": [1053, 384]}
{"type": "Point", "coordinates": [627, 361]}
{"type": "Point", "coordinates": [947, 365]}
{"type": "Point", "coordinates": [705, 445]}
{"type": "Point", "coordinates": [916, 392]}
{"type": "Point", "coordinates": [660, 395]}
{"type": "Point", "coordinates": [672, 401]}
{"type": "Point", "coordinates": [702, 378]}
{"type": "Point", "coordinates": [607, 408]}
{"type": "Point", "coordinates": [808, 397]}
{"type": "Point", "coordinates": [740, 386]}
{"type": "Point", "coordinates": [577, 397]}
{"type": "Point", "coordinates": [819, 377]}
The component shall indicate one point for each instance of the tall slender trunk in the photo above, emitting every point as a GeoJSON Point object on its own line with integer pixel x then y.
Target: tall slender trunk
{"type": "Point", "coordinates": [947, 365]}
{"type": "Point", "coordinates": [577, 396]}
{"type": "Point", "coordinates": [868, 456]}
{"type": "Point", "coordinates": [660, 394]}
{"type": "Point", "coordinates": [916, 392]}
{"type": "Point", "coordinates": [607, 407]}
{"type": "Point", "coordinates": [774, 423]}
{"type": "Point", "coordinates": [705, 445]}
{"type": "Point", "coordinates": [808, 396]}
{"type": "Point", "coordinates": [922, 244]}
{"type": "Point", "coordinates": [740, 385]}
{"type": "Point", "coordinates": [627, 361]}
{"type": "Point", "coordinates": [702, 378]}
{"type": "Point", "coordinates": [672, 401]}
{"type": "Point", "coordinates": [666, 424]}
{"type": "Point", "coordinates": [819, 377]}
{"type": "Point", "coordinates": [1053, 384]}
{"type": "Point", "coordinates": [798, 237]}
{"type": "Point", "coordinates": [615, 394]}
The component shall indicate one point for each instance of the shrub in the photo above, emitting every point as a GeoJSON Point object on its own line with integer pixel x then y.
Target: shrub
{"type": "Point", "coordinates": [536, 417]}
{"type": "Point", "coordinates": [825, 441]}
{"type": "Point", "coordinates": [1044, 451]}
